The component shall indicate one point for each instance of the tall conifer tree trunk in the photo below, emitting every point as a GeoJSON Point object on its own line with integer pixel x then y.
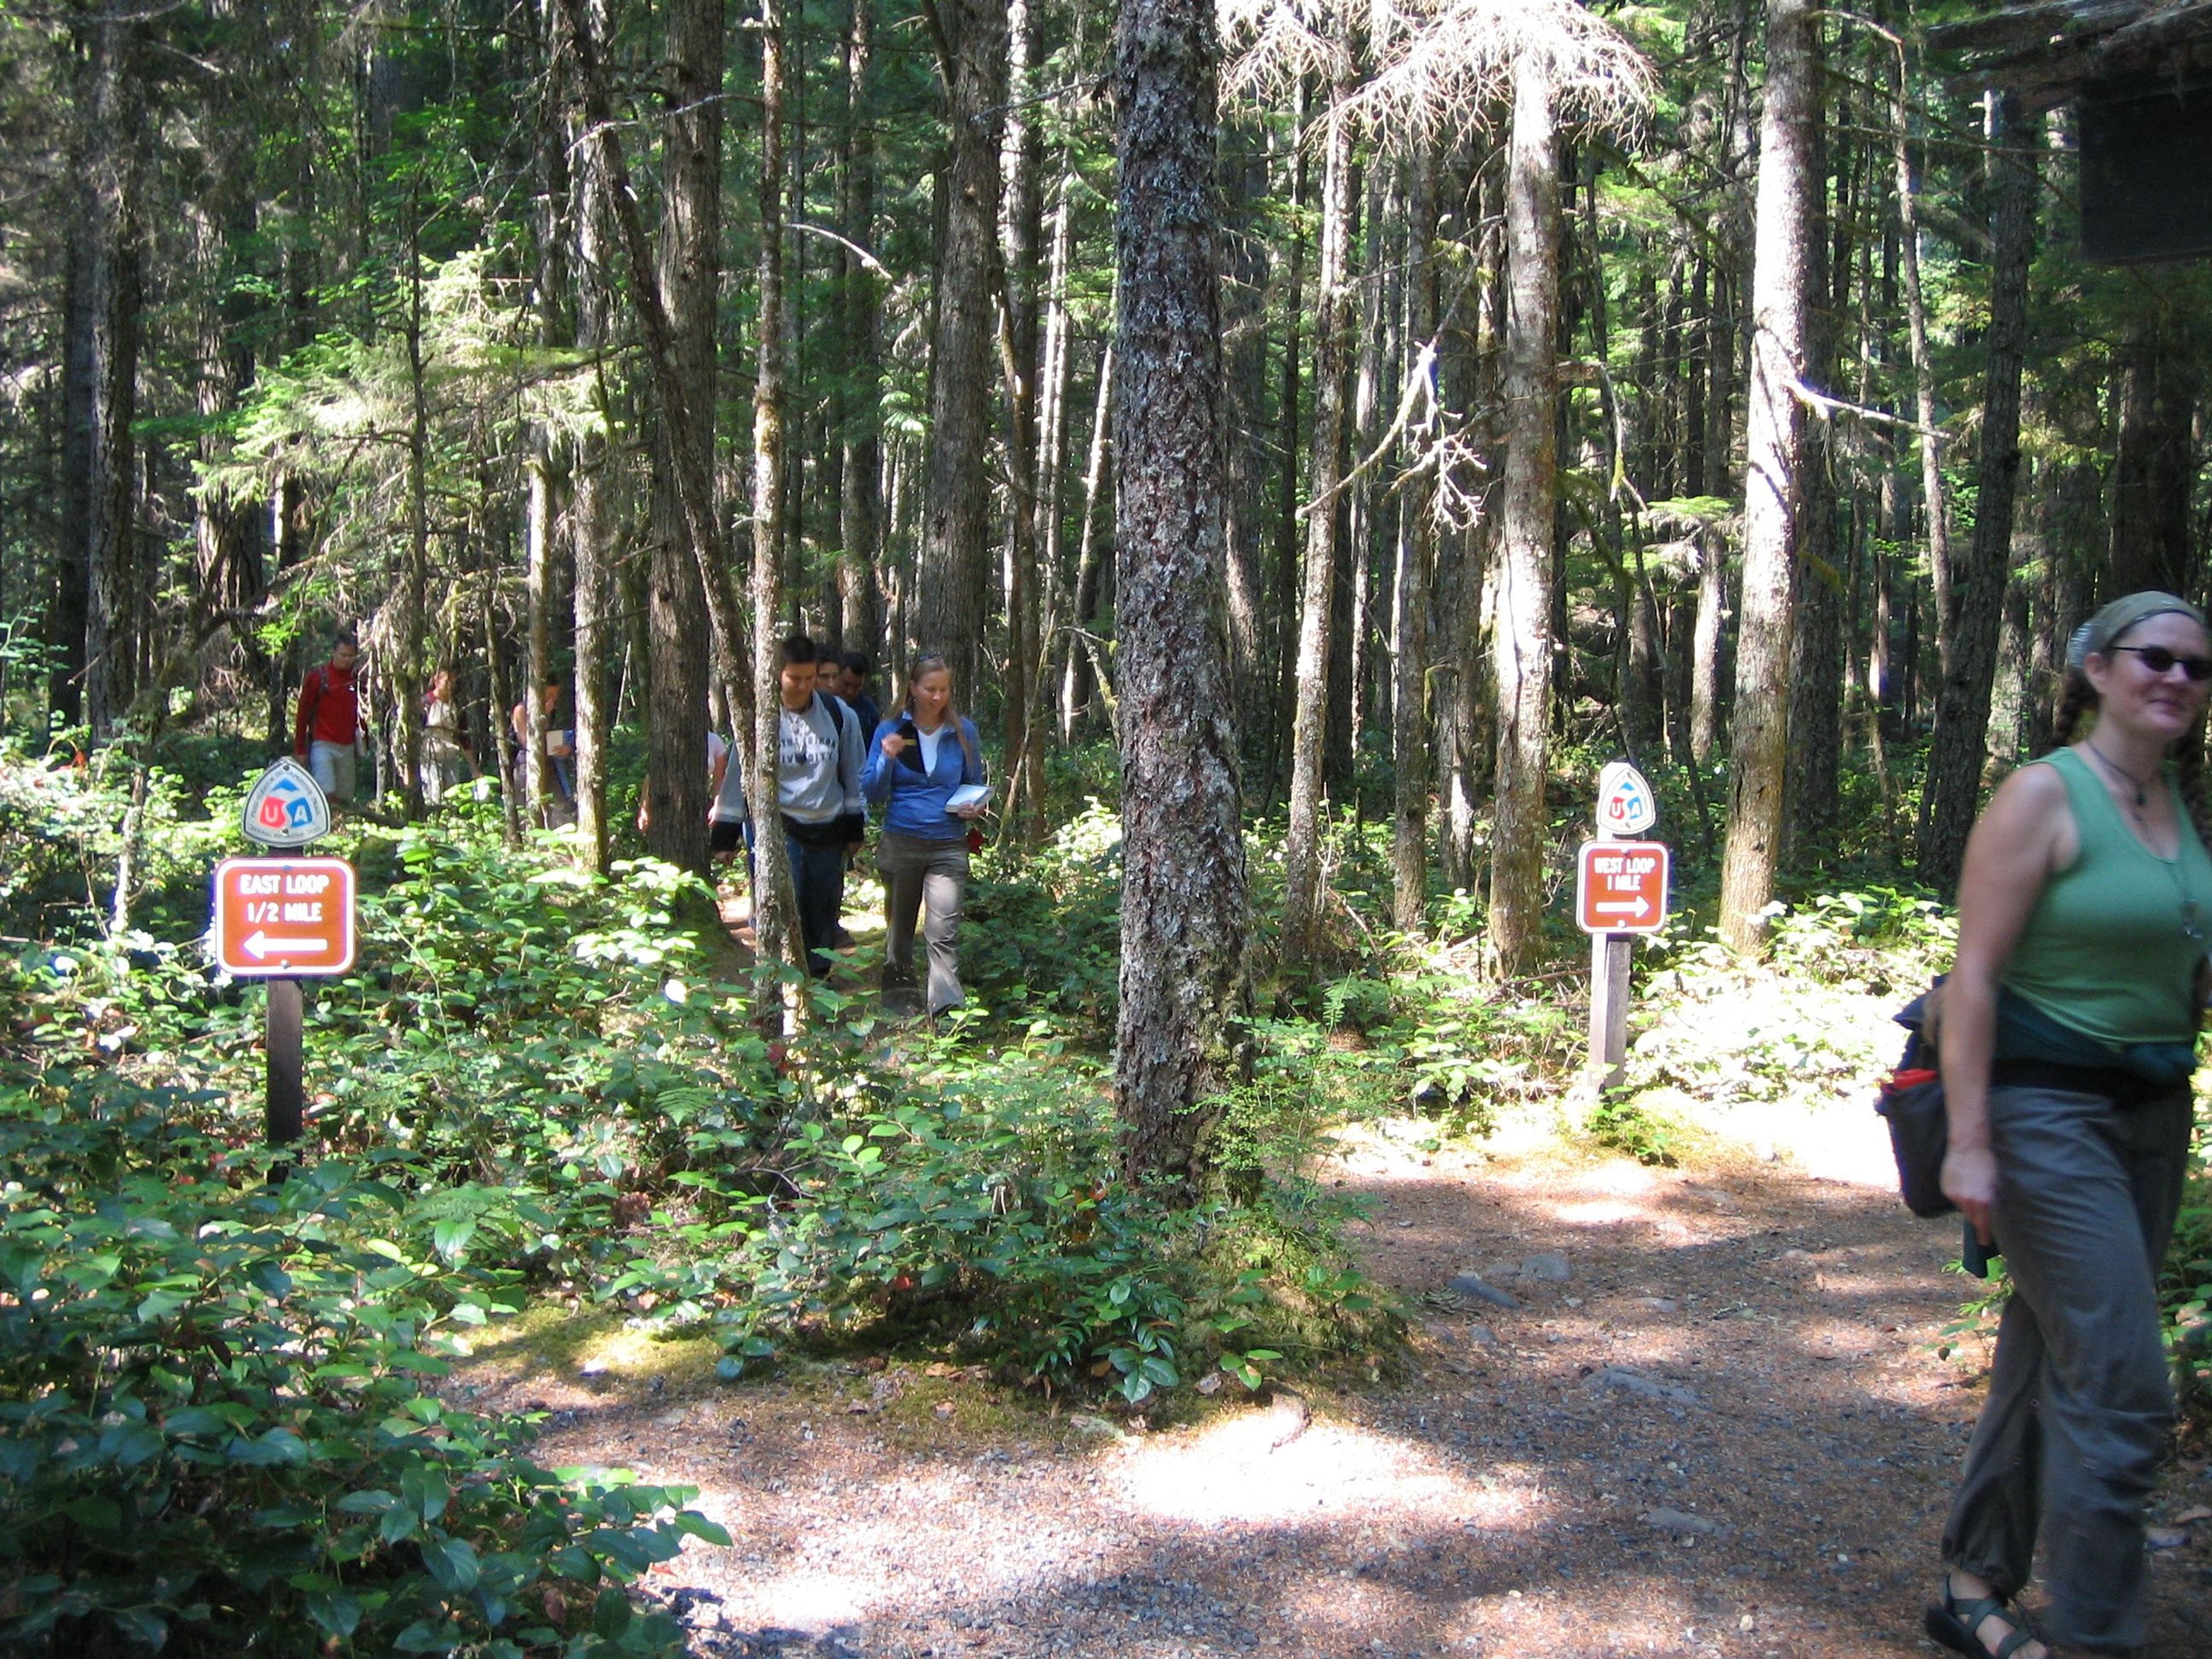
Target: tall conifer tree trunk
{"type": "Point", "coordinates": [678, 356]}
{"type": "Point", "coordinates": [956, 538]}
{"type": "Point", "coordinates": [591, 516]}
{"type": "Point", "coordinates": [1521, 646]}
{"type": "Point", "coordinates": [775, 910]}
{"type": "Point", "coordinates": [1244, 383]}
{"type": "Point", "coordinates": [860, 509]}
{"type": "Point", "coordinates": [689, 278]}
{"type": "Point", "coordinates": [1021, 229]}
{"type": "Point", "coordinates": [99, 380]}
{"type": "Point", "coordinates": [1957, 752]}
{"type": "Point", "coordinates": [2153, 543]}
{"type": "Point", "coordinates": [1758, 731]}
{"type": "Point", "coordinates": [1923, 369]}
{"type": "Point", "coordinates": [1310, 717]}
{"type": "Point", "coordinates": [1416, 552]}
{"type": "Point", "coordinates": [1183, 901]}
{"type": "Point", "coordinates": [1812, 776]}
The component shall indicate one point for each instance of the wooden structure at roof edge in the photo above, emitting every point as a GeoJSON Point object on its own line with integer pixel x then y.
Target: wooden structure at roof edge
{"type": "Point", "coordinates": [2047, 55]}
{"type": "Point", "coordinates": [2139, 73]}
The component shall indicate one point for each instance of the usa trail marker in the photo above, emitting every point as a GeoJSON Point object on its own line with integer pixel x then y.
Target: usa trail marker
{"type": "Point", "coordinates": [284, 920]}
{"type": "Point", "coordinates": [286, 807]}
{"type": "Point", "coordinates": [1620, 889]}
{"type": "Point", "coordinates": [1626, 806]}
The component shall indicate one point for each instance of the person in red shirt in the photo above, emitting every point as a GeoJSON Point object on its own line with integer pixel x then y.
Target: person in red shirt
{"type": "Point", "coordinates": [326, 734]}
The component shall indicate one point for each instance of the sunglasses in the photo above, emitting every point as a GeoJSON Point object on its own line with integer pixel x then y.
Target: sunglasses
{"type": "Point", "coordinates": [2160, 660]}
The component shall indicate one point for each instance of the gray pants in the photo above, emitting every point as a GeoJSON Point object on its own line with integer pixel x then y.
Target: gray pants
{"type": "Point", "coordinates": [2081, 1399]}
{"type": "Point", "coordinates": [332, 763]}
{"type": "Point", "coordinates": [928, 877]}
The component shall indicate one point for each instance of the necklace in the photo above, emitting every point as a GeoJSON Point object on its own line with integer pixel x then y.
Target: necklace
{"type": "Point", "coordinates": [2117, 771]}
{"type": "Point", "coordinates": [2192, 928]}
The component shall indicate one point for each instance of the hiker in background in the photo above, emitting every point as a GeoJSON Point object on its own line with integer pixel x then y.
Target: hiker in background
{"type": "Point", "coordinates": [927, 764]}
{"type": "Point", "coordinates": [829, 681]}
{"type": "Point", "coordinates": [854, 669]}
{"type": "Point", "coordinates": [2067, 1034]}
{"type": "Point", "coordinates": [727, 825]}
{"type": "Point", "coordinates": [446, 763]}
{"type": "Point", "coordinates": [559, 750]}
{"type": "Point", "coordinates": [818, 753]}
{"type": "Point", "coordinates": [326, 731]}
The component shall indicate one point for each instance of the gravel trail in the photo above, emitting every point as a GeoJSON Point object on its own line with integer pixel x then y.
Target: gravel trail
{"type": "Point", "coordinates": [1713, 1422]}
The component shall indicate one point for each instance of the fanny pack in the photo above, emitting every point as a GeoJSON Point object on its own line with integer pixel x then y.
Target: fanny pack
{"type": "Point", "coordinates": [833, 832]}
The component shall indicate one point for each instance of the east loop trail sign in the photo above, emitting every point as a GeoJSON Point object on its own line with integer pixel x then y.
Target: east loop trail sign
{"type": "Point", "coordinates": [283, 918]}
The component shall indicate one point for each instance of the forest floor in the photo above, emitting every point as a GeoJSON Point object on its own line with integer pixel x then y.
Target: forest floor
{"type": "Point", "coordinates": [1724, 1431]}
{"type": "Point", "coordinates": [1715, 1422]}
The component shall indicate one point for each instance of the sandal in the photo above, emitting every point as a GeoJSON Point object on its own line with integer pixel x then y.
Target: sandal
{"type": "Point", "coordinates": [1953, 1624]}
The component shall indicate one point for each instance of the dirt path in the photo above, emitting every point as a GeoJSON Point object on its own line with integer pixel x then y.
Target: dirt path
{"type": "Point", "coordinates": [1714, 1425]}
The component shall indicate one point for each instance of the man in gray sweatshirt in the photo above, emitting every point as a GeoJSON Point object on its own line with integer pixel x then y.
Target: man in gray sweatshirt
{"type": "Point", "coordinates": [819, 748]}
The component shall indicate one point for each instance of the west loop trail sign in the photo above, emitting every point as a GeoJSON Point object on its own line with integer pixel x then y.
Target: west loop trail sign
{"type": "Point", "coordinates": [283, 918]}
{"type": "Point", "coordinates": [1621, 887]}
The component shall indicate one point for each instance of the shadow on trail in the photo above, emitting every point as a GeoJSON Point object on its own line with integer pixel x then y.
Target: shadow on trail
{"type": "Point", "coordinates": [1770, 1483]}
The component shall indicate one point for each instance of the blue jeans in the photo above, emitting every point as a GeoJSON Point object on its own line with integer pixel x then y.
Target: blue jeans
{"type": "Point", "coordinates": [818, 877]}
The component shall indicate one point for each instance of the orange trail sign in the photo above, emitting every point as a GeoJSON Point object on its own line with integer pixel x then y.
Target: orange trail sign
{"type": "Point", "coordinates": [1621, 887]}
{"type": "Point", "coordinates": [283, 918]}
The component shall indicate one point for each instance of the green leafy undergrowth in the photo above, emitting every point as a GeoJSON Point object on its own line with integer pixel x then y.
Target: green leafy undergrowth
{"type": "Point", "coordinates": [219, 1432]}
{"type": "Point", "coordinates": [2185, 1297]}
{"type": "Point", "coordinates": [976, 1200]}
{"type": "Point", "coordinates": [546, 1069]}
{"type": "Point", "coordinates": [1041, 932]}
{"type": "Point", "coordinates": [1623, 1123]}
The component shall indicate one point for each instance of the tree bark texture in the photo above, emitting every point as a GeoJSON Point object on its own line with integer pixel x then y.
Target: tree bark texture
{"type": "Point", "coordinates": [1957, 753]}
{"type": "Point", "coordinates": [861, 508]}
{"type": "Point", "coordinates": [591, 514]}
{"type": "Point", "coordinates": [679, 339]}
{"type": "Point", "coordinates": [1811, 780]}
{"type": "Point", "coordinates": [957, 534]}
{"type": "Point", "coordinates": [1924, 371]}
{"type": "Point", "coordinates": [776, 939]}
{"type": "Point", "coordinates": [1520, 645]}
{"type": "Point", "coordinates": [1417, 553]}
{"type": "Point", "coordinates": [2154, 471]}
{"type": "Point", "coordinates": [1021, 234]}
{"type": "Point", "coordinates": [1774, 482]}
{"type": "Point", "coordinates": [1183, 895]}
{"type": "Point", "coordinates": [101, 376]}
{"type": "Point", "coordinates": [1302, 856]}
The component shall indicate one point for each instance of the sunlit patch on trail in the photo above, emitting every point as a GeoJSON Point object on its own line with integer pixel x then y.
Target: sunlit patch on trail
{"type": "Point", "coordinates": [1233, 1470]}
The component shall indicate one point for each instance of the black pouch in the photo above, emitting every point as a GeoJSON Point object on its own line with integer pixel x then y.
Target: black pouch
{"type": "Point", "coordinates": [1911, 1101]}
{"type": "Point", "coordinates": [832, 834]}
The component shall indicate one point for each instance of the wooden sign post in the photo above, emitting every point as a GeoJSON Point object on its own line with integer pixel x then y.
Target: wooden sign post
{"type": "Point", "coordinates": [1621, 890]}
{"type": "Point", "coordinates": [283, 919]}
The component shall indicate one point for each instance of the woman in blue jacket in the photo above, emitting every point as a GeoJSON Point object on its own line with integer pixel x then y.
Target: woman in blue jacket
{"type": "Point", "coordinates": [923, 756]}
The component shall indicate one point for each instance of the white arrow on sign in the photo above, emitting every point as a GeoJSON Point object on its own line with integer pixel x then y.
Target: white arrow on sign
{"type": "Point", "coordinates": [261, 947]}
{"type": "Point", "coordinates": [1640, 909]}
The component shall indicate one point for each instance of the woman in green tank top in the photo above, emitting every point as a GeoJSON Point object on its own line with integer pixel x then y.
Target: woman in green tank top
{"type": "Point", "coordinates": [2068, 1033]}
